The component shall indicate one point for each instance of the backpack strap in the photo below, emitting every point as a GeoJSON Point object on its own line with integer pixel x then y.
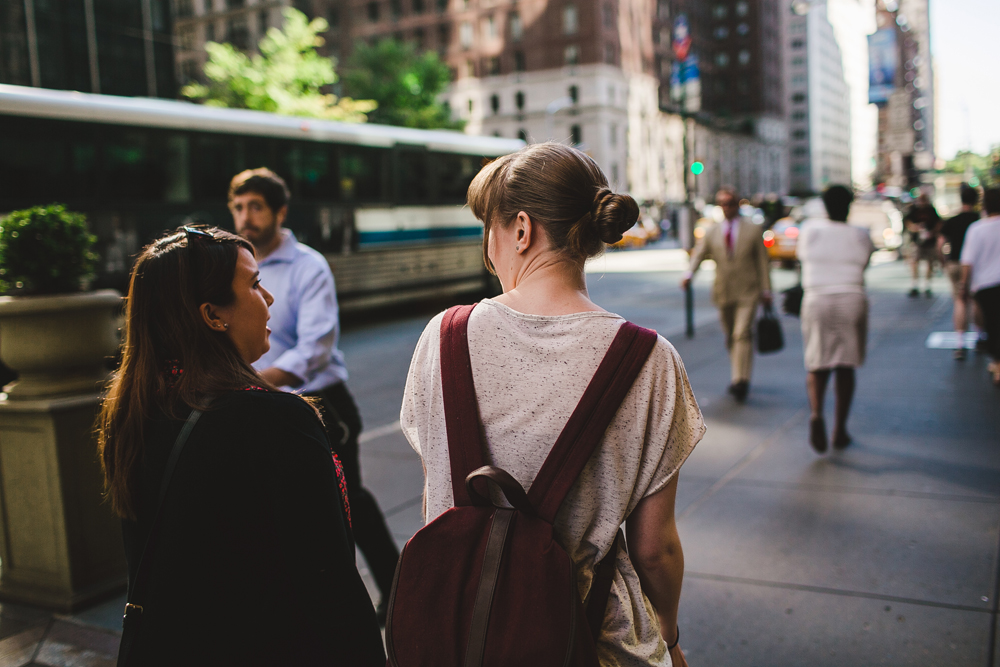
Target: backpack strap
{"type": "Point", "coordinates": [591, 418]}
{"type": "Point", "coordinates": [461, 410]}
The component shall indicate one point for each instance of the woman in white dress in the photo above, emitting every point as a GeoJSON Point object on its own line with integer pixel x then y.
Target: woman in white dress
{"type": "Point", "coordinates": [834, 256]}
{"type": "Point", "coordinates": [547, 208]}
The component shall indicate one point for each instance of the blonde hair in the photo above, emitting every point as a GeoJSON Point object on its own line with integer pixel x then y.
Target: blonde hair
{"type": "Point", "coordinates": [560, 188]}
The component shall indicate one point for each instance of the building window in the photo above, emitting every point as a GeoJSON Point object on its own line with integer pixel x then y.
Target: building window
{"type": "Point", "coordinates": [614, 173]}
{"type": "Point", "coordinates": [799, 115]}
{"type": "Point", "coordinates": [797, 43]}
{"type": "Point", "coordinates": [800, 150]}
{"type": "Point", "coordinates": [185, 8]}
{"type": "Point", "coordinates": [742, 8]}
{"type": "Point", "coordinates": [800, 134]}
{"type": "Point", "coordinates": [444, 35]}
{"type": "Point", "coordinates": [417, 6]}
{"type": "Point", "coordinates": [373, 12]}
{"type": "Point", "coordinates": [722, 59]}
{"type": "Point", "coordinates": [569, 20]}
{"type": "Point", "coordinates": [496, 133]}
{"type": "Point", "coordinates": [492, 66]}
{"type": "Point", "coordinates": [574, 94]}
{"type": "Point", "coordinates": [572, 55]}
{"type": "Point", "coordinates": [798, 98]}
{"type": "Point", "coordinates": [236, 4]}
{"type": "Point", "coordinates": [470, 69]}
{"type": "Point", "coordinates": [519, 100]}
{"type": "Point", "coordinates": [490, 27]}
{"type": "Point", "coordinates": [420, 39]}
{"type": "Point", "coordinates": [799, 80]}
{"type": "Point", "coordinates": [610, 54]}
{"type": "Point", "coordinates": [465, 34]}
{"type": "Point", "coordinates": [744, 57]}
{"type": "Point", "coordinates": [575, 135]}
{"type": "Point", "coordinates": [442, 5]}
{"type": "Point", "coordinates": [608, 13]}
{"type": "Point", "coordinates": [663, 10]}
{"type": "Point", "coordinates": [722, 32]}
{"type": "Point", "coordinates": [720, 12]}
{"type": "Point", "coordinates": [262, 21]}
{"type": "Point", "coordinates": [516, 28]}
{"type": "Point", "coordinates": [519, 65]}
{"type": "Point", "coordinates": [613, 136]}
{"type": "Point", "coordinates": [239, 34]}
{"type": "Point", "coordinates": [186, 37]}
{"type": "Point", "coordinates": [333, 17]}
{"type": "Point", "coordinates": [396, 7]}
{"type": "Point", "coordinates": [743, 29]}
{"type": "Point", "coordinates": [799, 61]}
{"type": "Point", "coordinates": [495, 103]}
{"type": "Point", "coordinates": [522, 134]}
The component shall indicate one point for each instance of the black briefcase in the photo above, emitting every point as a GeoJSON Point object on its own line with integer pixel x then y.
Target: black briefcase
{"type": "Point", "coordinates": [769, 335]}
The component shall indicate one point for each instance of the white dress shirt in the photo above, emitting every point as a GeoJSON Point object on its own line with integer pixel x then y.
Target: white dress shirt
{"type": "Point", "coordinates": [981, 251]}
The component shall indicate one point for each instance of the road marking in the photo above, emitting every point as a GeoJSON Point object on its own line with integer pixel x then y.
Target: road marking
{"type": "Point", "coordinates": [379, 432]}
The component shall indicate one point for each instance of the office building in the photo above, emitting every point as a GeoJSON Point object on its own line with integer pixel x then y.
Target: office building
{"type": "Point", "coordinates": [819, 101]}
{"type": "Point", "coordinates": [115, 47]}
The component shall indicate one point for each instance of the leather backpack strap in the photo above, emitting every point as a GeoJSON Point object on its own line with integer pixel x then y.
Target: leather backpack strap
{"type": "Point", "coordinates": [600, 587]}
{"type": "Point", "coordinates": [461, 410]}
{"type": "Point", "coordinates": [591, 418]}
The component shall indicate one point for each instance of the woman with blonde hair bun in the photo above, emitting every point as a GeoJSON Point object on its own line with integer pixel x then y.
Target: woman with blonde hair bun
{"type": "Point", "coordinates": [534, 349]}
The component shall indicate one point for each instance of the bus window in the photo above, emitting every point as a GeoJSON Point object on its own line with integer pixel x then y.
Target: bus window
{"type": "Point", "coordinates": [177, 188]}
{"type": "Point", "coordinates": [412, 176]}
{"type": "Point", "coordinates": [310, 172]}
{"type": "Point", "coordinates": [213, 165]}
{"type": "Point", "coordinates": [454, 174]}
{"type": "Point", "coordinates": [134, 165]}
{"type": "Point", "coordinates": [362, 174]}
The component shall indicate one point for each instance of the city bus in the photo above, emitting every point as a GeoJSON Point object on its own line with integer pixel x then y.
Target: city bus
{"type": "Point", "coordinates": [383, 204]}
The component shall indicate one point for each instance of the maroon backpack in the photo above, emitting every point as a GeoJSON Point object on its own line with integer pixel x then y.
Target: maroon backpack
{"type": "Point", "coordinates": [485, 585]}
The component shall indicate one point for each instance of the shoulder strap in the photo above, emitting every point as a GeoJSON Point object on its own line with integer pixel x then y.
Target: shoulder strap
{"type": "Point", "coordinates": [461, 410]}
{"type": "Point", "coordinates": [591, 418]}
{"type": "Point", "coordinates": [175, 453]}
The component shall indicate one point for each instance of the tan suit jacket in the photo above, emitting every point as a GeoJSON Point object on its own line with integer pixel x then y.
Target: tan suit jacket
{"type": "Point", "coordinates": [742, 277]}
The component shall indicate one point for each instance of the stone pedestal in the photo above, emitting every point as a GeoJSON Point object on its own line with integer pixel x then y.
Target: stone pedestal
{"type": "Point", "coordinates": [60, 544]}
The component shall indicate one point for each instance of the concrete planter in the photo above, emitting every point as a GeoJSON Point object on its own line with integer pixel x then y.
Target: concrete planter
{"type": "Point", "coordinates": [60, 545]}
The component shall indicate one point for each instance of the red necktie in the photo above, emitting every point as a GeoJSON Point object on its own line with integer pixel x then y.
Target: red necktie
{"type": "Point", "coordinates": [729, 237]}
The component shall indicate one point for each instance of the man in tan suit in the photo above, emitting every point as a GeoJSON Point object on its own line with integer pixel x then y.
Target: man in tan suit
{"type": "Point", "coordinates": [742, 280]}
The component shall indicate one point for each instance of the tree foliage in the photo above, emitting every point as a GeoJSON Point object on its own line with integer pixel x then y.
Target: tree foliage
{"type": "Point", "coordinates": [405, 84]}
{"type": "Point", "coordinates": [983, 168]}
{"type": "Point", "coordinates": [286, 77]}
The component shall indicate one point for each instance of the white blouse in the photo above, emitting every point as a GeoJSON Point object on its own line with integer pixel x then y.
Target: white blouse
{"type": "Point", "coordinates": [834, 256]}
{"type": "Point", "coordinates": [530, 371]}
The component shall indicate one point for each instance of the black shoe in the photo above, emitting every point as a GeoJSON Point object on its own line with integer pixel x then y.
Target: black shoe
{"type": "Point", "coordinates": [739, 390]}
{"type": "Point", "coordinates": [959, 354]}
{"type": "Point", "coordinates": [928, 294]}
{"type": "Point", "coordinates": [914, 293]}
{"type": "Point", "coordinates": [817, 435]}
{"type": "Point", "coordinates": [841, 439]}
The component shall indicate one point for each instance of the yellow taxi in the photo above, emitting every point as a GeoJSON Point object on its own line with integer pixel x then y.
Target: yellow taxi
{"type": "Point", "coordinates": [781, 241]}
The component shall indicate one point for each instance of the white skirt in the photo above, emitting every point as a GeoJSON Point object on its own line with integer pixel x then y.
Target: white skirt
{"type": "Point", "coordinates": [834, 330]}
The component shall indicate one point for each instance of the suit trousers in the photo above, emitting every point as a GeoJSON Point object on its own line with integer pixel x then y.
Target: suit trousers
{"type": "Point", "coordinates": [343, 426]}
{"type": "Point", "coordinates": [737, 323]}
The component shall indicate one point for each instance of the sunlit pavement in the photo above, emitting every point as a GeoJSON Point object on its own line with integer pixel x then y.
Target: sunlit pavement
{"type": "Point", "coordinates": [885, 553]}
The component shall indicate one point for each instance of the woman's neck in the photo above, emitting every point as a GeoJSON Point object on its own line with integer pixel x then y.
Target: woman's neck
{"type": "Point", "coordinates": [549, 287]}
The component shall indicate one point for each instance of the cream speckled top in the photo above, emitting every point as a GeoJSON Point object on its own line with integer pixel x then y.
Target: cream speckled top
{"type": "Point", "coordinates": [530, 371]}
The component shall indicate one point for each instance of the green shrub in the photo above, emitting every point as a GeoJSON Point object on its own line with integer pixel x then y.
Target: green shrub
{"type": "Point", "coordinates": [45, 250]}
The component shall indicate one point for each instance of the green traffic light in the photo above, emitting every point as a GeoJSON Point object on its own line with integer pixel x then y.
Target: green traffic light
{"type": "Point", "coordinates": [697, 168]}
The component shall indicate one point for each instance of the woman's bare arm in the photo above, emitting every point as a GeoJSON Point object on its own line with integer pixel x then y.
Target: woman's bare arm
{"type": "Point", "coordinates": [655, 550]}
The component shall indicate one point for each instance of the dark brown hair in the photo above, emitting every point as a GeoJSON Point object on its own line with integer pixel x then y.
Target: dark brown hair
{"type": "Point", "coordinates": [263, 182]}
{"type": "Point", "coordinates": [561, 189]}
{"type": "Point", "coordinates": [163, 324]}
{"type": "Point", "coordinates": [991, 201]}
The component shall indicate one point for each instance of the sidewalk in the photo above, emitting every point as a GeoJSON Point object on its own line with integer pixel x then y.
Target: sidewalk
{"type": "Point", "coordinates": [885, 553]}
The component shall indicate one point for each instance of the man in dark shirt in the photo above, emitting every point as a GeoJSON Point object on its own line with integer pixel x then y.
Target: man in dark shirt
{"type": "Point", "coordinates": [923, 223]}
{"type": "Point", "coordinates": [950, 244]}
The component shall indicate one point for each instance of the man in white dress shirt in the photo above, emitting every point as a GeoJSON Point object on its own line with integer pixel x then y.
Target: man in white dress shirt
{"type": "Point", "coordinates": [304, 357]}
{"type": "Point", "coordinates": [742, 280]}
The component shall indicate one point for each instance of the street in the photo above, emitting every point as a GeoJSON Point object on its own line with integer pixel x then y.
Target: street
{"type": "Point", "coordinates": [886, 553]}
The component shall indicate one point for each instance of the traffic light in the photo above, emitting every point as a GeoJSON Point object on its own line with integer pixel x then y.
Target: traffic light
{"type": "Point", "coordinates": [697, 168]}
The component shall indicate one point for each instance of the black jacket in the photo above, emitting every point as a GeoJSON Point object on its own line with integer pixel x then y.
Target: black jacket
{"type": "Point", "coordinates": [254, 563]}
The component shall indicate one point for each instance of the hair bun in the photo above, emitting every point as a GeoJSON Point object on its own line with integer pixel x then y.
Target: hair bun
{"type": "Point", "coordinates": [613, 214]}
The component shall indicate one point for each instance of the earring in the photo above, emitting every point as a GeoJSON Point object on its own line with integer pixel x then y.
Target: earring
{"type": "Point", "coordinates": [517, 248]}
{"type": "Point", "coordinates": [225, 326]}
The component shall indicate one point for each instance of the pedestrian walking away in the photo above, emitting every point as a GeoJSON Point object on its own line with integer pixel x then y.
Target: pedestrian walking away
{"type": "Point", "coordinates": [923, 224]}
{"type": "Point", "coordinates": [950, 244]}
{"type": "Point", "coordinates": [304, 356]}
{"type": "Point", "coordinates": [533, 352]}
{"type": "Point", "coordinates": [742, 281]}
{"type": "Point", "coordinates": [981, 273]}
{"type": "Point", "coordinates": [235, 523]}
{"type": "Point", "coordinates": [834, 314]}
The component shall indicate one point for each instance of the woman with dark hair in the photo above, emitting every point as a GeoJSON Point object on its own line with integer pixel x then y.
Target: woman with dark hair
{"type": "Point", "coordinates": [252, 560]}
{"type": "Point", "coordinates": [546, 209]}
{"type": "Point", "coordinates": [834, 314]}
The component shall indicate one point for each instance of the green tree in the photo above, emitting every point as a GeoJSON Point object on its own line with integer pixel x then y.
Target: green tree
{"type": "Point", "coordinates": [405, 84]}
{"type": "Point", "coordinates": [286, 77]}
